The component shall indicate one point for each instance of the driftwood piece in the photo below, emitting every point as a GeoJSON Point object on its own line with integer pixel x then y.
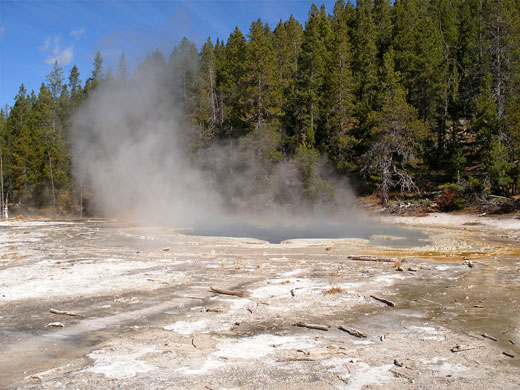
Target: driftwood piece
{"type": "Point", "coordinates": [370, 258]}
{"type": "Point", "coordinates": [401, 374]}
{"type": "Point", "coordinates": [54, 325]}
{"type": "Point", "coordinates": [66, 313]}
{"type": "Point", "coordinates": [398, 363]}
{"type": "Point", "coordinates": [508, 354]}
{"type": "Point", "coordinates": [461, 348]}
{"type": "Point", "coordinates": [353, 332]}
{"type": "Point", "coordinates": [296, 359]}
{"type": "Point", "coordinates": [485, 335]}
{"type": "Point", "coordinates": [312, 326]}
{"type": "Point", "coordinates": [227, 292]}
{"type": "Point", "coordinates": [214, 310]}
{"type": "Point", "coordinates": [385, 301]}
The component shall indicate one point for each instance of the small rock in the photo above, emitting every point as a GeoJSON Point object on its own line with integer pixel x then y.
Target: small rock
{"type": "Point", "coordinates": [54, 325]}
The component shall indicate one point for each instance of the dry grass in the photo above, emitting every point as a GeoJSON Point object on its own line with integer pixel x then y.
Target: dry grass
{"type": "Point", "coordinates": [333, 290]}
{"type": "Point", "coordinates": [398, 265]}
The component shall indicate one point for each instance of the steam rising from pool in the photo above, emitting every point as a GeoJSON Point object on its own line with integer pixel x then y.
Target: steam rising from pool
{"type": "Point", "coordinates": [134, 159]}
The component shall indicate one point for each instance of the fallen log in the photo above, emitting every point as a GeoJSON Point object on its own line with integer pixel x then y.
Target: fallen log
{"type": "Point", "coordinates": [485, 335]}
{"type": "Point", "coordinates": [312, 326]}
{"type": "Point", "coordinates": [508, 354]}
{"type": "Point", "coordinates": [226, 292]}
{"type": "Point", "coordinates": [296, 359]}
{"type": "Point", "coordinates": [370, 258]}
{"type": "Point", "coordinates": [66, 313]}
{"type": "Point", "coordinates": [353, 332]}
{"type": "Point", "coordinates": [385, 301]}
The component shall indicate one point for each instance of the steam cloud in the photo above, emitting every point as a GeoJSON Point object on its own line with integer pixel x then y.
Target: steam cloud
{"type": "Point", "coordinates": [133, 153]}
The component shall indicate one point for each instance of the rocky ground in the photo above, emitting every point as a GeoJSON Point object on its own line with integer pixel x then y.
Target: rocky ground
{"type": "Point", "coordinates": [144, 315]}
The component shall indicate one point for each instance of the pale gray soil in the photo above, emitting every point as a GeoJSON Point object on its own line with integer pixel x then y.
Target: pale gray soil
{"type": "Point", "coordinates": [150, 321]}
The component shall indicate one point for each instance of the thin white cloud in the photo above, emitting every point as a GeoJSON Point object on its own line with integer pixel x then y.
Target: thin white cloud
{"type": "Point", "coordinates": [2, 31]}
{"type": "Point", "coordinates": [64, 57]}
{"type": "Point", "coordinates": [45, 45]}
{"type": "Point", "coordinates": [54, 52]}
{"type": "Point", "coordinates": [78, 32]}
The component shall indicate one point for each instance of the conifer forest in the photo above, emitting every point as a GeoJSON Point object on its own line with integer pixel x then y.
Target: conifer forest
{"type": "Point", "coordinates": [404, 98]}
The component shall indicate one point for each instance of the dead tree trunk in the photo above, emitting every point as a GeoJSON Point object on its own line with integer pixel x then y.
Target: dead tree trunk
{"type": "Point", "coordinates": [52, 180]}
{"type": "Point", "coordinates": [3, 207]}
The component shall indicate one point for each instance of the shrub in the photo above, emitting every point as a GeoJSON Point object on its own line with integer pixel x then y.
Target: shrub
{"type": "Point", "coordinates": [451, 199]}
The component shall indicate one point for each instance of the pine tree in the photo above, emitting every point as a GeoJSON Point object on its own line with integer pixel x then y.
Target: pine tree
{"type": "Point", "coordinates": [488, 129]}
{"type": "Point", "coordinates": [122, 69]}
{"type": "Point", "coordinates": [312, 73]}
{"type": "Point", "coordinates": [446, 15]}
{"type": "Point", "coordinates": [288, 38]}
{"type": "Point", "coordinates": [512, 123]}
{"type": "Point", "coordinates": [365, 64]}
{"type": "Point", "coordinates": [184, 67]}
{"type": "Point", "coordinates": [288, 41]}
{"type": "Point", "coordinates": [469, 55]}
{"type": "Point", "coordinates": [16, 138]}
{"type": "Point", "coordinates": [4, 113]}
{"type": "Point", "coordinates": [261, 80]}
{"type": "Point", "coordinates": [48, 148]}
{"type": "Point", "coordinates": [22, 159]}
{"type": "Point", "coordinates": [420, 58]}
{"type": "Point", "coordinates": [419, 55]}
{"type": "Point", "coordinates": [96, 75]}
{"type": "Point", "coordinates": [340, 141]}
{"type": "Point", "coordinates": [231, 72]}
{"type": "Point", "coordinates": [502, 18]}
{"type": "Point", "coordinates": [382, 15]}
{"type": "Point", "coordinates": [220, 85]}
{"type": "Point", "coordinates": [205, 117]}
{"type": "Point", "coordinates": [76, 93]}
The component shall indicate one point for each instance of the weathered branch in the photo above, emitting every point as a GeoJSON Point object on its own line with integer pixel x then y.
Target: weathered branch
{"type": "Point", "coordinates": [312, 326]}
{"type": "Point", "coordinates": [226, 292]}
{"type": "Point", "coordinates": [385, 301]}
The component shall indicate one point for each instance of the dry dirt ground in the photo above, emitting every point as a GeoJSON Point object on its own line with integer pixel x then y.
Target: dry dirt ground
{"type": "Point", "coordinates": [146, 317]}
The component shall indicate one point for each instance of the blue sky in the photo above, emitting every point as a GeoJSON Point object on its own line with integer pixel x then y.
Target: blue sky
{"type": "Point", "coordinates": [34, 33]}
